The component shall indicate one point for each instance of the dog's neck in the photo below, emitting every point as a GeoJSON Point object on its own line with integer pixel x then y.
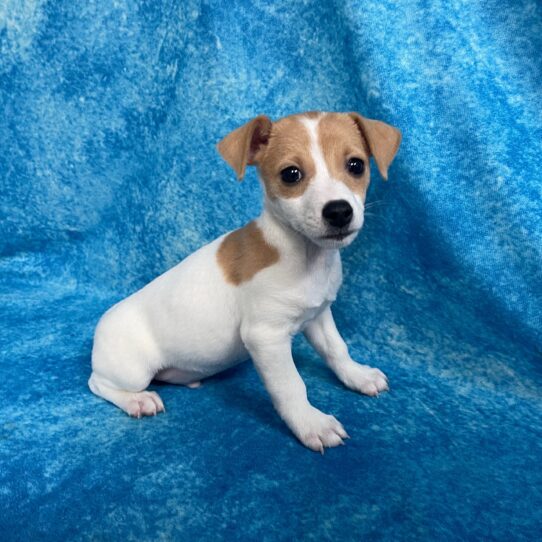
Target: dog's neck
{"type": "Point", "coordinates": [291, 243]}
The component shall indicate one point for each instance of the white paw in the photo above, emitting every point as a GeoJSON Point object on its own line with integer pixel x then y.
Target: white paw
{"type": "Point", "coordinates": [144, 403]}
{"type": "Point", "coordinates": [317, 430]}
{"type": "Point", "coordinates": [365, 379]}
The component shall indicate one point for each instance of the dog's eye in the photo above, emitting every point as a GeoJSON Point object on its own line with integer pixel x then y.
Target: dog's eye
{"type": "Point", "coordinates": [291, 175]}
{"type": "Point", "coordinates": [356, 166]}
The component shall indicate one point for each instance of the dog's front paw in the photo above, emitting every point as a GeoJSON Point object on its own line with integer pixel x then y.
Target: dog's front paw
{"type": "Point", "coordinates": [365, 379]}
{"type": "Point", "coordinates": [317, 430]}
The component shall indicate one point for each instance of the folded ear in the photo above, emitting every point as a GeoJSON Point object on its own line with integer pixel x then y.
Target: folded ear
{"type": "Point", "coordinates": [383, 141]}
{"type": "Point", "coordinates": [240, 147]}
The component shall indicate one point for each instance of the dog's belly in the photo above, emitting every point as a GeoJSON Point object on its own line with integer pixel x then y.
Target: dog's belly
{"type": "Point", "coordinates": [217, 352]}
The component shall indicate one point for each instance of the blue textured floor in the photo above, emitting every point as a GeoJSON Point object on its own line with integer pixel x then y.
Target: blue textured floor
{"type": "Point", "coordinates": [109, 116]}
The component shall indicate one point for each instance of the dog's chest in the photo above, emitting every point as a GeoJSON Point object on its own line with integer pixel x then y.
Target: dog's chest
{"type": "Point", "coordinates": [319, 287]}
{"type": "Point", "coordinates": [323, 281]}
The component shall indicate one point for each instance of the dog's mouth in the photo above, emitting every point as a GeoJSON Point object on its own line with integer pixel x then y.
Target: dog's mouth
{"type": "Point", "coordinates": [339, 236]}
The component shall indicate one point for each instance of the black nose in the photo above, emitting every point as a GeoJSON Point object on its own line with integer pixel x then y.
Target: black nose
{"type": "Point", "coordinates": [338, 213]}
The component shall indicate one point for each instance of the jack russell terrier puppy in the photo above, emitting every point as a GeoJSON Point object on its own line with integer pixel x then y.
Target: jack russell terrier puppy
{"type": "Point", "coordinates": [249, 291]}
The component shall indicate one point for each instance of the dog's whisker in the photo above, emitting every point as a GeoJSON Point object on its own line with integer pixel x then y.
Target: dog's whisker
{"type": "Point", "coordinates": [374, 204]}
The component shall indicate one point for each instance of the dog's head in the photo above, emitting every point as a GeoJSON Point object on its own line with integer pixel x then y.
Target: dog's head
{"type": "Point", "coordinates": [315, 168]}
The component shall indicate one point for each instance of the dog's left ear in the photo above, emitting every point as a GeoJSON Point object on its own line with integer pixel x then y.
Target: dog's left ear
{"type": "Point", "coordinates": [241, 146]}
{"type": "Point", "coordinates": [383, 141]}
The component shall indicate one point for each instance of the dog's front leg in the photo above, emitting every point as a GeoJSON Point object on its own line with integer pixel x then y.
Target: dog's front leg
{"type": "Point", "coordinates": [322, 333]}
{"type": "Point", "coordinates": [272, 355]}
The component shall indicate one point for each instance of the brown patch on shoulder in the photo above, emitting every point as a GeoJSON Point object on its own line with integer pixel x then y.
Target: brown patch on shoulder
{"type": "Point", "coordinates": [245, 252]}
{"type": "Point", "coordinates": [340, 139]}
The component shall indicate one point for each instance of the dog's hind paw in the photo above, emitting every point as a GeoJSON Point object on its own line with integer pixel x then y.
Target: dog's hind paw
{"type": "Point", "coordinates": [144, 403]}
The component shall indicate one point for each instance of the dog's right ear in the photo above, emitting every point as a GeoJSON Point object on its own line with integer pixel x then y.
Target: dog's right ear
{"type": "Point", "coordinates": [241, 146]}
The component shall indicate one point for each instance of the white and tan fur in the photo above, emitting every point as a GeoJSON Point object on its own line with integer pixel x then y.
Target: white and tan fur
{"type": "Point", "coordinates": [248, 292]}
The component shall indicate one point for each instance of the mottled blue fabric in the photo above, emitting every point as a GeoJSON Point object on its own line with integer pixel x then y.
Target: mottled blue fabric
{"type": "Point", "coordinates": [110, 112]}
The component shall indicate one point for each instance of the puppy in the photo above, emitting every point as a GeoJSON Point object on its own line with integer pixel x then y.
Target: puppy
{"type": "Point", "coordinates": [249, 291]}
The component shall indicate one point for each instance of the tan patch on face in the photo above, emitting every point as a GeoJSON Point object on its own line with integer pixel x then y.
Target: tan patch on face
{"type": "Point", "coordinates": [289, 145]}
{"type": "Point", "coordinates": [245, 252]}
{"type": "Point", "coordinates": [340, 139]}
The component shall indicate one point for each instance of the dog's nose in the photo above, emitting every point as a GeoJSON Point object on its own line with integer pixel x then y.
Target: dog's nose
{"type": "Point", "coordinates": [338, 213]}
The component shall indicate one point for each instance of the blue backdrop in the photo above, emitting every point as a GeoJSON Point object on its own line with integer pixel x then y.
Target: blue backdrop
{"type": "Point", "coordinates": [110, 112]}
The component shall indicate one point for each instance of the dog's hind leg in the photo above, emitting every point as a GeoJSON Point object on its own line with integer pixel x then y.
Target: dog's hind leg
{"type": "Point", "coordinates": [134, 403]}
